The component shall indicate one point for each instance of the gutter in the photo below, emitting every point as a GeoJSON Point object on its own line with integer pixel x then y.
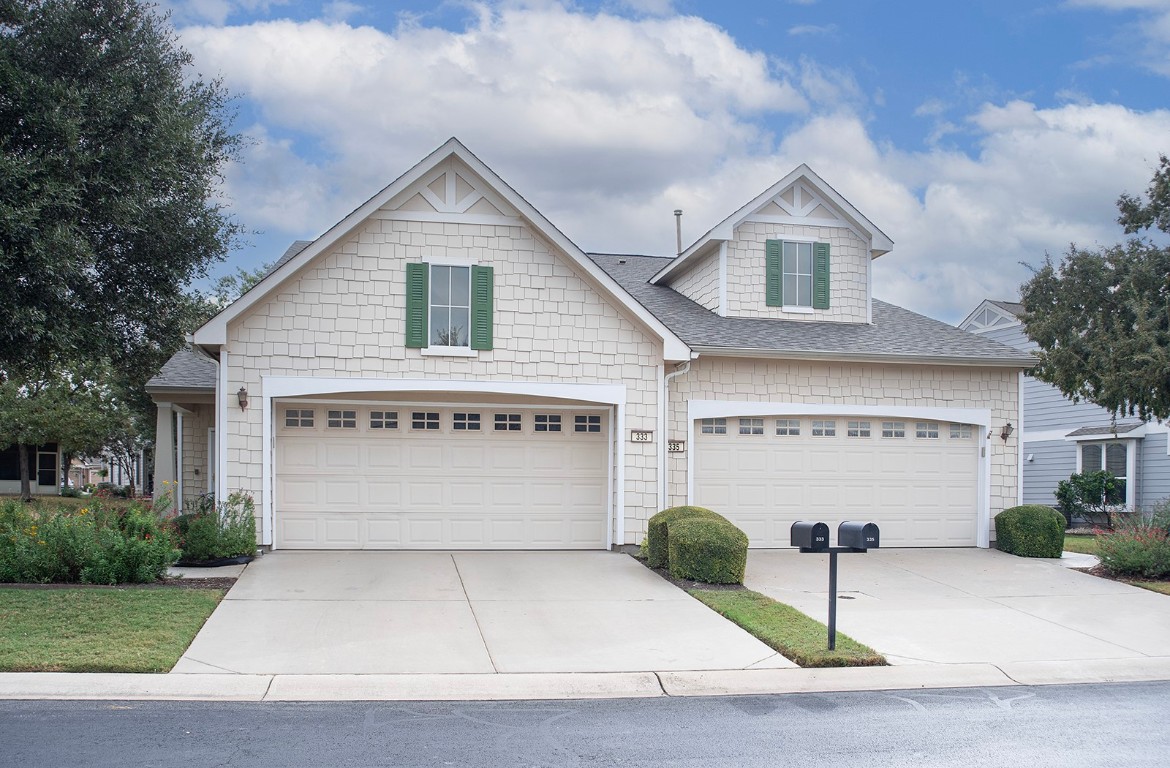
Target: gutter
{"type": "Point", "coordinates": [787, 354]}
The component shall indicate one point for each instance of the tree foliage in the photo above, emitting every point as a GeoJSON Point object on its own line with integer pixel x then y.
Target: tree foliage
{"type": "Point", "coordinates": [1101, 318]}
{"type": "Point", "coordinates": [110, 158]}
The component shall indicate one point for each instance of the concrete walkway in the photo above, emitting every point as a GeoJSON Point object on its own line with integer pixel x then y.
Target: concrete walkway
{"type": "Point", "coordinates": [963, 606]}
{"type": "Point", "coordinates": [361, 613]}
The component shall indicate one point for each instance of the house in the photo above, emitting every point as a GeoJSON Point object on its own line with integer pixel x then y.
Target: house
{"type": "Point", "coordinates": [444, 368]}
{"type": "Point", "coordinates": [1061, 437]}
{"type": "Point", "coordinates": [44, 462]}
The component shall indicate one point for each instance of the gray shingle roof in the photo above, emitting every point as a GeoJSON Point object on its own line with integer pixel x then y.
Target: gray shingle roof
{"type": "Point", "coordinates": [185, 370]}
{"type": "Point", "coordinates": [1014, 307]}
{"type": "Point", "coordinates": [289, 253]}
{"type": "Point", "coordinates": [1112, 429]}
{"type": "Point", "coordinates": [895, 332]}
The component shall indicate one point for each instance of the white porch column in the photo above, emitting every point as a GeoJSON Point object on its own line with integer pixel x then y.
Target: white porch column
{"type": "Point", "coordinates": [164, 450]}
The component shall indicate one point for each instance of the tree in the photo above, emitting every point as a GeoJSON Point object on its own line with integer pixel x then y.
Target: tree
{"type": "Point", "coordinates": [111, 153]}
{"type": "Point", "coordinates": [1101, 319]}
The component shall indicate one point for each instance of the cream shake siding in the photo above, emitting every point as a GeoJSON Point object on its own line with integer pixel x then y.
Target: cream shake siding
{"type": "Point", "coordinates": [195, 426]}
{"type": "Point", "coordinates": [343, 316]}
{"type": "Point", "coordinates": [848, 272]}
{"type": "Point", "coordinates": [839, 383]}
{"type": "Point", "coordinates": [699, 282]}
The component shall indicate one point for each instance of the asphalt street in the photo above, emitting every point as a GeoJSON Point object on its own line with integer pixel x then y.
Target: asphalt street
{"type": "Point", "coordinates": [1075, 725]}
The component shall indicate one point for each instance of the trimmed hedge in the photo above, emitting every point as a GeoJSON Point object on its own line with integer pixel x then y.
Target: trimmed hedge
{"type": "Point", "coordinates": [657, 535]}
{"type": "Point", "coordinates": [708, 550]}
{"type": "Point", "coordinates": [1031, 530]}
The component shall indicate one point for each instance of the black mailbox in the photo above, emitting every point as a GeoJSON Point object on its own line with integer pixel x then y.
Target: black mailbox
{"type": "Point", "coordinates": [858, 535]}
{"type": "Point", "coordinates": [809, 535]}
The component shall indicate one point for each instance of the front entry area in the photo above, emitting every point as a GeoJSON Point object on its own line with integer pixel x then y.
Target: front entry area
{"type": "Point", "coordinates": [918, 480]}
{"type": "Point", "coordinates": [424, 475]}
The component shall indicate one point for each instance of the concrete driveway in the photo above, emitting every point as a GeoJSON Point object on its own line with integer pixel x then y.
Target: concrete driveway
{"type": "Point", "coordinates": [469, 612]}
{"type": "Point", "coordinates": [969, 605]}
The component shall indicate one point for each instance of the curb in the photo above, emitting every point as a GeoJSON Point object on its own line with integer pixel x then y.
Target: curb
{"type": "Point", "coordinates": [552, 686]}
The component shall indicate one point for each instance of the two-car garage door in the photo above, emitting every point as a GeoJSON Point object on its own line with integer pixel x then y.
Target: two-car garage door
{"type": "Point", "coordinates": [917, 479]}
{"type": "Point", "coordinates": [421, 476]}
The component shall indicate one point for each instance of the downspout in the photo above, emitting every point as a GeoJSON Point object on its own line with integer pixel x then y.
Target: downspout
{"type": "Point", "coordinates": [664, 474]}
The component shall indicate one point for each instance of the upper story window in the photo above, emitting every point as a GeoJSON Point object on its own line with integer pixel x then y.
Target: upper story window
{"type": "Point", "coordinates": [796, 274]}
{"type": "Point", "coordinates": [449, 308]}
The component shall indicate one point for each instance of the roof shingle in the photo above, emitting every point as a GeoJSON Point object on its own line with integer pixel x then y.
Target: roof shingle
{"type": "Point", "coordinates": [185, 370]}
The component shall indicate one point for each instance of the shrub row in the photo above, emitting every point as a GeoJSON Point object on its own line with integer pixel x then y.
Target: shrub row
{"type": "Point", "coordinates": [696, 544]}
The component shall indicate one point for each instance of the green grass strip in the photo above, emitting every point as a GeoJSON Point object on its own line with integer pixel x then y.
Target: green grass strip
{"type": "Point", "coordinates": [1162, 587]}
{"type": "Point", "coordinates": [795, 636]}
{"type": "Point", "coordinates": [100, 630]}
{"type": "Point", "coordinates": [1086, 545]}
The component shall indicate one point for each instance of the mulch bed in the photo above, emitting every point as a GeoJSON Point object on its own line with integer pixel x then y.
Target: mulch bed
{"type": "Point", "coordinates": [1101, 572]}
{"type": "Point", "coordinates": [685, 584]}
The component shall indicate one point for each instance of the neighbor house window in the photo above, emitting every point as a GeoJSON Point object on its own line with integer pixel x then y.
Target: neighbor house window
{"type": "Point", "coordinates": [297, 417]}
{"type": "Point", "coordinates": [824, 429]}
{"type": "Point", "coordinates": [507, 422]}
{"type": "Point", "coordinates": [893, 429]}
{"type": "Point", "coordinates": [788, 426]}
{"type": "Point", "coordinates": [926, 430]}
{"type": "Point", "coordinates": [751, 426]}
{"type": "Point", "coordinates": [342, 420]}
{"type": "Point", "coordinates": [1111, 457]}
{"type": "Point", "coordinates": [546, 422]}
{"type": "Point", "coordinates": [961, 432]}
{"type": "Point", "coordinates": [466, 422]}
{"type": "Point", "coordinates": [449, 306]}
{"type": "Point", "coordinates": [796, 274]}
{"type": "Point", "coordinates": [857, 429]}
{"type": "Point", "coordinates": [424, 420]}
{"type": "Point", "coordinates": [713, 426]}
{"type": "Point", "coordinates": [586, 423]}
{"type": "Point", "coordinates": [383, 419]}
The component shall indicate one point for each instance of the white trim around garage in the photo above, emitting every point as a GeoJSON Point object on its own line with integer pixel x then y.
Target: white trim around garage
{"type": "Point", "coordinates": [981, 417]}
{"type": "Point", "coordinates": [278, 387]}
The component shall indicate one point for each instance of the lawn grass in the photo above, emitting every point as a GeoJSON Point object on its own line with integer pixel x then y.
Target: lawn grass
{"type": "Point", "coordinates": [1086, 545]}
{"type": "Point", "coordinates": [1162, 587]}
{"type": "Point", "coordinates": [100, 630]}
{"type": "Point", "coordinates": [795, 636]}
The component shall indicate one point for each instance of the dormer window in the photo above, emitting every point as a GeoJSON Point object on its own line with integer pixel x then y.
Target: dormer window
{"type": "Point", "coordinates": [797, 274]}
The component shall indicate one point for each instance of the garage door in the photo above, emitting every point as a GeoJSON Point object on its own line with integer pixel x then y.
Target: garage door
{"type": "Point", "coordinates": [917, 480]}
{"type": "Point", "coordinates": [426, 477]}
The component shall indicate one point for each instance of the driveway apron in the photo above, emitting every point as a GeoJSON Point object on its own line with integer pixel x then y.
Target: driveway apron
{"type": "Point", "coordinates": [463, 612]}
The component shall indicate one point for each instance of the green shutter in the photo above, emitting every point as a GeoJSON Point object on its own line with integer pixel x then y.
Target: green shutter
{"type": "Point", "coordinates": [820, 276]}
{"type": "Point", "coordinates": [774, 275]}
{"type": "Point", "coordinates": [416, 305]}
{"type": "Point", "coordinates": [481, 307]}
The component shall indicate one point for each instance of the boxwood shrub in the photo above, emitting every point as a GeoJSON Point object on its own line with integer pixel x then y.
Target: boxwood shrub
{"type": "Point", "coordinates": [1031, 530]}
{"type": "Point", "coordinates": [708, 550]}
{"type": "Point", "coordinates": [657, 534]}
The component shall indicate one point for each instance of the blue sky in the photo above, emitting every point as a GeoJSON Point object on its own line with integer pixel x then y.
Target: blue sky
{"type": "Point", "coordinates": [976, 135]}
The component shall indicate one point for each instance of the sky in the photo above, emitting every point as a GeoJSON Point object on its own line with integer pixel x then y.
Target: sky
{"type": "Point", "coordinates": [979, 136]}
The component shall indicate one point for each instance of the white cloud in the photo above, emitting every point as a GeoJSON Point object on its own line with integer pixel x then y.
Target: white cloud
{"type": "Point", "coordinates": [812, 29]}
{"type": "Point", "coordinates": [340, 10]}
{"type": "Point", "coordinates": [1152, 29]}
{"type": "Point", "coordinates": [214, 11]}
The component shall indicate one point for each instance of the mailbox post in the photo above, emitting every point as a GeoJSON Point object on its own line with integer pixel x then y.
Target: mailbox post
{"type": "Point", "coordinates": [851, 537]}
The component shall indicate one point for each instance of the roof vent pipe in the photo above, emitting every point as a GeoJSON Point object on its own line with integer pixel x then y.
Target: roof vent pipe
{"type": "Point", "coordinates": [678, 230]}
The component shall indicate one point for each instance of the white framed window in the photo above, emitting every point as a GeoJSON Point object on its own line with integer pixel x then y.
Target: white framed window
{"type": "Point", "coordinates": [586, 423]}
{"type": "Point", "coordinates": [1113, 458]}
{"type": "Point", "coordinates": [797, 274]}
{"type": "Point", "coordinates": [788, 427]}
{"type": "Point", "coordinates": [893, 429]}
{"type": "Point", "coordinates": [341, 420]}
{"type": "Point", "coordinates": [298, 417]}
{"type": "Point", "coordinates": [824, 428]}
{"type": "Point", "coordinates": [507, 422]}
{"type": "Point", "coordinates": [425, 420]}
{"type": "Point", "coordinates": [713, 426]}
{"type": "Point", "coordinates": [926, 430]}
{"type": "Point", "coordinates": [450, 306]}
{"type": "Point", "coordinates": [383, 419]}
{"type": "Point", "coordinates": [751, 426]}
{"type": "Point", "coordinates": [857, 429]}
{"type": "Point", "coordinates": [546, 422]}
{"type": "Point", "coordinates": [465, 422]}
{"type": "Point", "coordinates": [961, 432]}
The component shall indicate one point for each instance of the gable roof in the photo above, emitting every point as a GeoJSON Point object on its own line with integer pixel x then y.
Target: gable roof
{"type": "Point", "coordinates": [1010, 311]}
{"type": "Point", "coordinates": [879, 242]}
{"type": "Point", "coordinates": [186, 370]}
{"type": "Point", "coordinates": [214, 332]}
{"type": "Point", "coordinates": [896, 334]}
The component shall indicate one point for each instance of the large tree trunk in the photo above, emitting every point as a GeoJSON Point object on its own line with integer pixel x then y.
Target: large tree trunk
{"type": "Point", "coordinates": [66, 462]}
{"type": "Point", "coordinates": [25, 483]}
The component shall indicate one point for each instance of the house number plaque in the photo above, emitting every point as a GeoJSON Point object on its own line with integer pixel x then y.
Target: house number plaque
{"type": "Point", "coordinates": [676, 446]}
{"type": "Point", "coordinates": [641, 436]}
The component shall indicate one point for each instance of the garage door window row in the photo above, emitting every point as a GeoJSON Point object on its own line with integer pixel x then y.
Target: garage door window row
{"type": "Point", "coordinates": [891, 430]}
{"type": "Point", "coordinates": [432, 421]}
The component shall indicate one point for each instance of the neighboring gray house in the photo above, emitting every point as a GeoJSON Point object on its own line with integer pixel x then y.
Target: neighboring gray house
{"type": "Point", "coordinates": [1061, 437]}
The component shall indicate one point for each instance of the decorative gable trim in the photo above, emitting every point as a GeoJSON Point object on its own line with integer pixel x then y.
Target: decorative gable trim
{"type": "Point", "coordinates": [431, 168]}
{"type": "Point", "coordinates": [801, 198]}
{"type": "Point", "coordinates": [990, 315]}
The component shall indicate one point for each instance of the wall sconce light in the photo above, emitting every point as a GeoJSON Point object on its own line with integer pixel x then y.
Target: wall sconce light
{"type": "Point", "coordinates": [1007, 431]}
{"type": "Point", "coordinates": [242, 396]}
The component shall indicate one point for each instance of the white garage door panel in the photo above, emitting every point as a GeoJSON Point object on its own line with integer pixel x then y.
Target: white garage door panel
{"type": "Point", "coordinates": [365, 488]}
{"type": "Point", "coordinates": [920, 491]}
